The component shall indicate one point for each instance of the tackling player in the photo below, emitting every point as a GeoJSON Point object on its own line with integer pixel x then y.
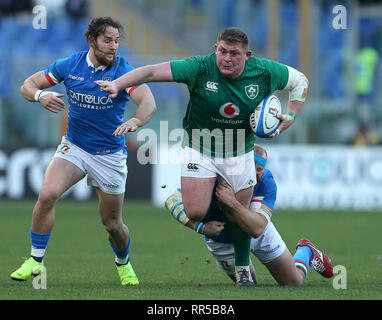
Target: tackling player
{"type": "Point", "coordinates": [94, 145]}
{"type": "Point", "coordinates": [269, 247]}
{"type": "Point", "coordinates": [225, 87]}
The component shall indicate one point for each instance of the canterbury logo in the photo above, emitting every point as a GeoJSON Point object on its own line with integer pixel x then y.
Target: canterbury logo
{"type": "Point", "coordinates": [212, 86]}
{"type": "Point", "coordinates": [192, 167]}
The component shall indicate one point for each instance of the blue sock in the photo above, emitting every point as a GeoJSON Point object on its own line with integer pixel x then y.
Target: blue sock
{"type": "Point", "coordinates": [302, 258]}
{"type": "Point", "coordinates": [122, 256]}
{"type": "Point", "coordinates": [39, 242]}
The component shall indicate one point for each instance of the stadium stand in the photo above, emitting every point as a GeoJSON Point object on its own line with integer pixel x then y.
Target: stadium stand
{"type": "Point", "coordinates": [29, 50]}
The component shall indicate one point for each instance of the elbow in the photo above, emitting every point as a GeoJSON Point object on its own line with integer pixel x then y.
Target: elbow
{"type": "Point", "coordinates": [22, 89]}
{"type": "Point", "coordinates": [23, 92]}
{"type": "Point", "coordinates": [150, 106]}
{"type": "Point", "coordinates": [297, 85]}
{"type": "Point", "coordinates": [154, 109]}
{"type": "Point", "coordinates": [150, 101]}
{"type": "Point", "coordinates": [300, 91]}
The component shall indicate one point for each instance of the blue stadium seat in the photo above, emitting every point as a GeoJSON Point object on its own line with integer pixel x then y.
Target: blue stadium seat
{"type": "Point", "coordinates": [330, 44]}
{"type": "Point", "coordinates": [289, 44]}
{"type": "Point", "coordinates": [259, 26]}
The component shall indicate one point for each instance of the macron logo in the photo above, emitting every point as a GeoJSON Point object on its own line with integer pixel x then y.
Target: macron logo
{"type": "Point", "coordinates": [76, 77]}
{"type": "Point", "coordinates": [212, 86]}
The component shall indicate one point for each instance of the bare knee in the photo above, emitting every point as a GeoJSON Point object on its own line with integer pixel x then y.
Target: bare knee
{"type": "Point", "coordinates": [47, 199]}
{"type": "Point", "coordinates": [197, 195]}
{"type": "Point", "coordinates": [284, 270]}
{"type": "Point", "coordinates": [289, 278]}
{"type": "Point", "coordinates": [299, 278]}
{"type": "Point", "coordinates": [195, 209]}
{"type": "Point", "coordinates": [298, 282]}
{"type": "Point", "coordinates": [195, 213]}
{"type": "Point", "coordinates": [113, 224]}
{"type": "Point", "coordinates": [110, 224]}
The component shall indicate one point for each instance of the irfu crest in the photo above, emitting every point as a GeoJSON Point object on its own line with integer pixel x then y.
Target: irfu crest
{"type": "Point", "coordinates": [252, 91]}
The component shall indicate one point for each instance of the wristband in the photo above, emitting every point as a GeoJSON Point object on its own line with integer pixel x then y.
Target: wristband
{"type": "Point", "coordinates": [40, 93]}
{"type": "Point", "coordinates": [199, 227]}
{"type": "Point", "coordinates": [37, 95]}
{"type": "Point", "coordinates": [135, 122]}
{"type": "Point", "coordinates": [292, 115]}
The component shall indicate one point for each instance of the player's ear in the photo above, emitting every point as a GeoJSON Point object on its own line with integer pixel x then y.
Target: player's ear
{"type": "Point", "coordinates": [91, 41]}
{"type": "Point", "coordinates": [248, 54]}
{"type": "Point", "coordinates": [215, 47]}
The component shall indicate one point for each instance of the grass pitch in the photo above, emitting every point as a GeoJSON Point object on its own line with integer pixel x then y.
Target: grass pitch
{"type": "Point", "coordinates": [172, 262]}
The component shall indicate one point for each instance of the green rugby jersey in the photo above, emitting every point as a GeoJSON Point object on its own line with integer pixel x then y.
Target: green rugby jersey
{"type": "Point", "coordinates": [217, 116]}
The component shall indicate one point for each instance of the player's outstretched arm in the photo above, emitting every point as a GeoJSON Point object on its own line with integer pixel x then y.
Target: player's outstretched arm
{"type": "Point", "coordinates": [32, 90]}
{"type": "Point", "coordinates": [150, 73]}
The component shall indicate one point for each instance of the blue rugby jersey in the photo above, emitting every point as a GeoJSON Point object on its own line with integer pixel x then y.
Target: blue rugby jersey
{"type": "Point", "coordinates": [92, 117]}
{"type": "Point", "coordinates": [265, 192]}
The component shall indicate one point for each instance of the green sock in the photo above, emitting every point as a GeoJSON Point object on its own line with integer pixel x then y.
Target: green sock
{"type": "Point", "coordinates": [241, 242]}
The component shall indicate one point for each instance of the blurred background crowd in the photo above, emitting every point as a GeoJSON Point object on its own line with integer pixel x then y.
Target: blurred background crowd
{"type": "Point", "coordinates": [337, 44]}
{"type": "Point", "coordinates": [342, 64]}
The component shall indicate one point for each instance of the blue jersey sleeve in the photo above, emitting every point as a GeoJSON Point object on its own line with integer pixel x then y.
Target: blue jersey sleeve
{"type": "Point", "coordinates": [58, 71]}
{"type": "Point", "coordinates": [266, 189]}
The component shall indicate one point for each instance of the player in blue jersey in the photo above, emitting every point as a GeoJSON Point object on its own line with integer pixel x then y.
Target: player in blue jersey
{"type": "Point", "coordinates": [269, 247]}
{"type": "Point", "coordinates": [94, 145]}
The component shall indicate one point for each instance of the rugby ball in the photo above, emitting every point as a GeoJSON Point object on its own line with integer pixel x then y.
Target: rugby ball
{"type": "Point", "coordinates": [263, 120]}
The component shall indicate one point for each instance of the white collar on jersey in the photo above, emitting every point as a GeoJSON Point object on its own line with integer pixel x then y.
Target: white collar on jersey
{"type": "Point", "coordinates": [90, 64]}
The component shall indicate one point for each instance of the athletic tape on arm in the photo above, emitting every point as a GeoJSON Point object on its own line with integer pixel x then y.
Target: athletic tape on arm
{"type": "Point", "coordinates": [297, 85]}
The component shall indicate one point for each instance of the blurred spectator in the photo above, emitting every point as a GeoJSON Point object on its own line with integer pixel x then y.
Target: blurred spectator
{"type": "Point", "coordinates": [366, 61]}
{"type": "Point", "coordinates": [365, 136]}
{"type": "Point", "coordinates": [366, 65]}
{"type": "Point", "coordinates": [77, 9]}
{"type": "Point", "coordinates": [365, 75]}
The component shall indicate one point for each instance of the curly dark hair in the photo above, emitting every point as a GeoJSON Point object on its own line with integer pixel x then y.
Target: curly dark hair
{"type": "Point", "coordinates": [98, 25]}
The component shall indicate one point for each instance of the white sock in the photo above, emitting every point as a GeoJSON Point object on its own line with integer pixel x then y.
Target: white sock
{"type": "Point", "coordinates": [121, 260]}
{"type": "Point", "coordinates": [38, 253]}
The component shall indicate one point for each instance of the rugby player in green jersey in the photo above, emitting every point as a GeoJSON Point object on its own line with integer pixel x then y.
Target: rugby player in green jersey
{"type": "Point", "coordinates": [225, 87]}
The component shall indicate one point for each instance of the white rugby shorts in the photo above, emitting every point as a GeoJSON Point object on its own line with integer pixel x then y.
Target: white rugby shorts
{"type": "Point", "coordinates": [239, 172]}
{"type": "Point", "coordinates": [266, 248]}
{"type": "Point", "coordinates": [107, 172]}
